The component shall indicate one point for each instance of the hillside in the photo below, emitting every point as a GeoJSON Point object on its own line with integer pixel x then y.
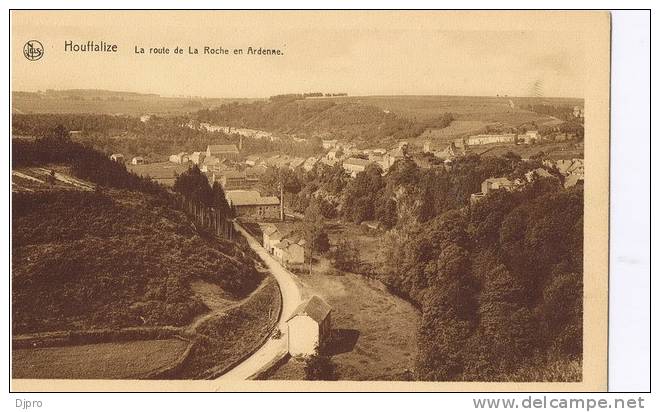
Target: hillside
{"type": "Point", "coordinates": [113, 258]}
{"type": "Point", "coordinates": [99, 247]}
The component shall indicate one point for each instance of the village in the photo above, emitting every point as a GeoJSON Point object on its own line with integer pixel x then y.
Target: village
{"type": "Point", "coordinates": [240, 174]}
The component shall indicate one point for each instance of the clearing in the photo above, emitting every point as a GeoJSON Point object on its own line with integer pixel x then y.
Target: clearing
{"type": "Point", "coordinates": [125, 360]}
{"type": "Point", "coordinates": [375, 331]}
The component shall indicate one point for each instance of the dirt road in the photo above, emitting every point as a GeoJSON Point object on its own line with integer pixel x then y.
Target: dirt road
{"type": "Point", "coordinates": [273, 349]}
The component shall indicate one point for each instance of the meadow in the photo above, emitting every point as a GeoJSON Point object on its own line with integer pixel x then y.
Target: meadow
{"type": "Point", "coordinates": [125, 360]}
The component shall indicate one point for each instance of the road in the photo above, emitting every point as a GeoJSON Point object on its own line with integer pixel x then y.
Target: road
{"type": "Point", "coordinates": [273, 349]}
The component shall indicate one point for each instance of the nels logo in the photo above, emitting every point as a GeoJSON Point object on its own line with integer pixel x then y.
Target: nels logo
{"type": "Point", "coordinates": [33, 50]}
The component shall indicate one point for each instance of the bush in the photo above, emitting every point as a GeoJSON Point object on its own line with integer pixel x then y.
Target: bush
{"type": "Point", "coordinates": [320, 368]}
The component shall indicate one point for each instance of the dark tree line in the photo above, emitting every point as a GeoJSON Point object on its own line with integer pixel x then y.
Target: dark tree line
{"type": "Point", "coordinates": [499, 285]}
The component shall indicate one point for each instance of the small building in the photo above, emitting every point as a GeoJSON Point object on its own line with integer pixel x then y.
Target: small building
{"type": "Point", "coordinates": [271, 236]}
{"type": "Point", "coordinates": [355, 165]}
{"type": "Point", "coordinates": [252, 160]}
{"type": "Point", "coordinates": [329, 144]}
{"type": "Point", "coordinates": [179, 158]}
{"type": "Point", "coordinates": [538, 173]}
{"type": "Point", "coordinates": [250, 203]}
{"type": "Point", "coordinates": [573, 180]}
{"type": "Point", "coordinates": [296, 162]}
{"type": "Point", "coordinates": [287, 252]}
{"type": "Point", "coordinates": [197, 157]}
{"type": "Point", "coordinates": [138, 160]}
{"type": "Point", "coordinates": [117, 157]}
{"type": "Point", "coordinates": [488, 185]}
{"type": "Point", "coordinates": [233, 180]}
{"type": "Point", "coordinates": [530, 137]}
{"type": "Point", "coordinates": [222, 151]}
{"type": "Point", "coordinates": [310, 163]}
{"type": "Point", "coordinates": [483, 139]}
{"type": "Point", "coordinates": [309, 327]}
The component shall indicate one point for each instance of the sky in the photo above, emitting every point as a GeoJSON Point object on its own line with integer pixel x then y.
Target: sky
{"type": "Point", "coordinates": [359, 53]}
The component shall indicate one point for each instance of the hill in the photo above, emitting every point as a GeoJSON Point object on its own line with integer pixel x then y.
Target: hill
{"type": "Point", "coordinates": [113, 258]}
{"type": "Point", "coordinates": [108, 102]}
{"type": "Point", "coordinates": [106, 248]}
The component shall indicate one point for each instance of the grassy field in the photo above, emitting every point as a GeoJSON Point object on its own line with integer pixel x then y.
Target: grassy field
{"type": "Point", "coordinates": [126, 360]}
{"type": "Point", "coordinates": [555, 151]}
{"type": "Point", "coordinates": [375, 331]}
{"type": "Point", "coordinates": [110, 102]}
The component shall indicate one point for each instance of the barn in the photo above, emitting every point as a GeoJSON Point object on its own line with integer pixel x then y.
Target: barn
{"type": "Point", "coordinates": [309, 327]}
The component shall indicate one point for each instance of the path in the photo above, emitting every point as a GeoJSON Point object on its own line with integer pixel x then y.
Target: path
{"type": "Point", "coordinates": [273, 349]}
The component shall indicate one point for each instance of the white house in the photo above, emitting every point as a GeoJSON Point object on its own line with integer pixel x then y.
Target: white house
{"type": "Point", "coordinates": [271, 236]}
{"type": "Point", "coordinates": [197, 157]}
{"type": "Point", "coordinates": [309, 327]}
{"type": "Point", "coordinates": [355, 165]}
{"type": "Point", "coordinates": [117, 157]}
{"type": "Point", "coordinates": [138, 160]}
{"type": "Point", "coordinates": [180, 158]}
{"type": "Point", "coordinates": [329, 144]}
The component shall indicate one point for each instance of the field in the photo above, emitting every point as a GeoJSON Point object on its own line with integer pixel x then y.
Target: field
{"type": "Point", "coordinates": [107, 102]}
{"type": "Point", "coordinates": [126, 360]}
{"type": "Point", "coordinates": [161, 172]}
{"type": "Point", "coordinates": [483, 108]}
{"type": "Point", "coordinates": [554, 151]}
{"type": "Point", "coordinates": [374, 331]}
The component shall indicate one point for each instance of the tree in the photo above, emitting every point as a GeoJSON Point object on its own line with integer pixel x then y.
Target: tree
{"type": "Point", "coordinates": [320, 368]}
{"type": "Point", "coordinates": [195, 186]}
{"type": "Point", "coordinates": [316, 240]}
{"type": "Point", "coordinates": [345, 256]}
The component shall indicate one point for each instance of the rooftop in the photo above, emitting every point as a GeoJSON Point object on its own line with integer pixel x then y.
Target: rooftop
{"type": "Point", "coordinates": [222, 148]}
{"type": "Point", "coordinates": [250, 198]}
{"type": "Point", "coordinates": [356, 161]}
{"type": "Point", "coordinates": [315, 307]}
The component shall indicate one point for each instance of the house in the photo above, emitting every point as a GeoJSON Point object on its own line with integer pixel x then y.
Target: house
{"type": "Point", "coordinates": [271, 236]}
{"type": "Point", "coordinates": [222, 151]}
{"type": "Point", "coordinates": [233, 180]}
{"type": "Point", "coordinates": [449, 152]}
{"type": "Point", "coordinates": [530, 137]}
{"type": "Point", "coordinates": [252, 160]}
{"type": "Point", "coordinates": [117, 157]}
{"type": "Point", "coordinates": [538, 172]}
{"type": "Point", "coordinates": [482, 139]}
{"type": "Point", "coordinates": [355, 165]}
{"type": "Point", "coordinates": [211, 164]}
{"type": "Point", "coordinates": [578, 111]}
{"type": "Point", "coordinates": [251, 203]}
{"type": "Point", "coordinates": [573, 180]}
{"type": "Point", "coordinates": [145, 118]}
{"type": "Point", "coordinates": [288, 252]}
{"type": "Point", "coordinates": [397, 154]}
{"type": "Point", "coordinates": [296, 162]}
{"type": "Point", "coordinates": [488, 185]}
{"type": "Point", "coordinates": [310, 163]}
{"type": "Point", "coordinates": [329, 144]}
{"type": "Point", "coordinates": [138, 160]}
{"type": "Point", "coordinates": [180, 158]}
{"type": "Point", "coordinates": [197, 157]}
{"type": "Point", "coordinates": [309, 327]}
{"type": "Point", "coordinates": [383, 160]}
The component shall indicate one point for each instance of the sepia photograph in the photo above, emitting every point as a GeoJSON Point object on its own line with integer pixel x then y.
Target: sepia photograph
{"type": "Point", "coordinates": [300, 200]}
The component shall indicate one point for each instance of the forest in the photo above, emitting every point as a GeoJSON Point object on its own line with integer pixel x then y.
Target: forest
{"type": "Point", "coordinates": [320, 118]}
{"type": "Point", "coordinates": [499, 283]}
